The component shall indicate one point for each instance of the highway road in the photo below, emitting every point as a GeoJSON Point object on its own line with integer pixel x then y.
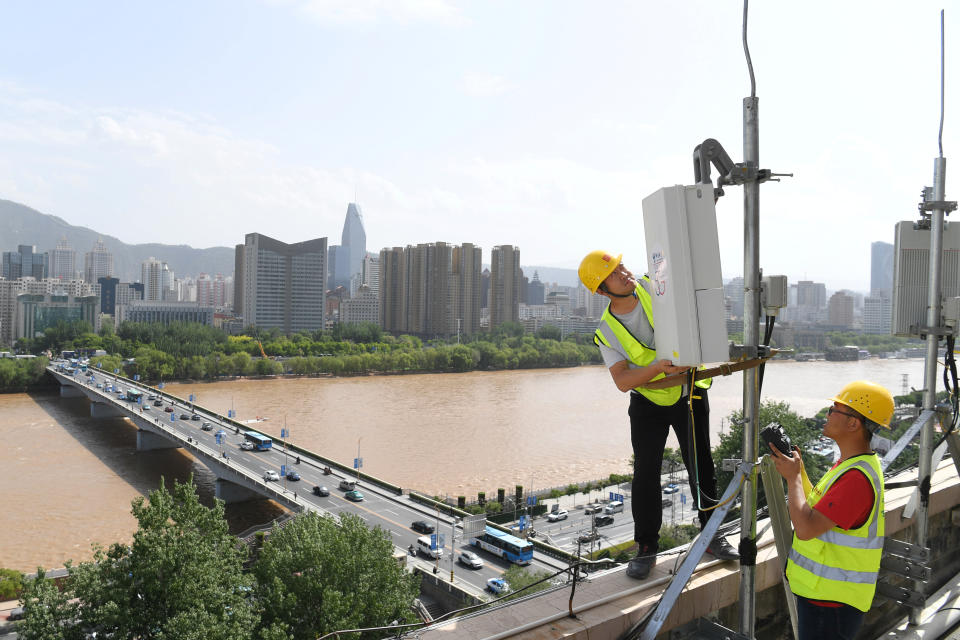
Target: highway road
{"type": "Point", "coordinates": [379, 508]}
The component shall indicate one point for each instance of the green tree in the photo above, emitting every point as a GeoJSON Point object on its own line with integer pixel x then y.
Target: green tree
{"type": "Point", "coordinates": [47, 611]}
{"type": "Point", "coordinates": [314, 577]}
{"type": "Point", "coordinates": [11, 584]}
{"type": "Point", "coordinates": [520, 577]}
{"type": "Point", "coordinates": [802, 432]}
{"type": "Point", "coordinates": [181, 578]}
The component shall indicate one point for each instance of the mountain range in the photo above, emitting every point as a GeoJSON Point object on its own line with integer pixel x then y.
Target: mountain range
{"type": "Point", "coordinates": [20, 224]}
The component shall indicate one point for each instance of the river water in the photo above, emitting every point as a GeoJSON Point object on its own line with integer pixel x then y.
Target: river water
{"type": "Point", "coordinates": [67, 480]}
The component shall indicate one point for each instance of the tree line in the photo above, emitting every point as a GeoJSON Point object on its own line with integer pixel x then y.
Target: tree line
{"type": "Point", "coordinates": [184, 576]}
{"type": "Point", "coordinates": [199, 352]}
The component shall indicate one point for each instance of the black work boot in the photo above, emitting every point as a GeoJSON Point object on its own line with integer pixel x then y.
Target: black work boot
{"type": "Point", "coordinates": [720, 549]}
{"type": "Point", "coordinates": [639, 567]}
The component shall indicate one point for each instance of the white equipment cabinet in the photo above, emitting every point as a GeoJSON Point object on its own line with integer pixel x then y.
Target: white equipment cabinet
{"type": "Point", "coordinates": [683, 262]}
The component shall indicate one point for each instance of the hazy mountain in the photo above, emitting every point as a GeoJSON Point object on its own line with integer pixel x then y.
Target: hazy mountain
{"type": "Point", "coordinates": [563, 277]}
{"type": "Point", "coordinates": [20, 224]}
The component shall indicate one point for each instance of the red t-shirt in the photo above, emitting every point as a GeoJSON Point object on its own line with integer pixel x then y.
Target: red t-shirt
{"type": "Point", "coordinates": [847, 503]}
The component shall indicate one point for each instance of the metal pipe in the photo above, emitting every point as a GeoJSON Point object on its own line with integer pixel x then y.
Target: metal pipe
{"type": "Point", "coordinates": [751, 326]}
{"type": "Point", "coordinates": [930, 365]}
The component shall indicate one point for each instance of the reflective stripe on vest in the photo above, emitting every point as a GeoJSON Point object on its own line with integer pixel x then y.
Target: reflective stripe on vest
{"type": "Point", "coordinates": [841, 565]}
{"type": "Point", "coordinates": [612, 332]}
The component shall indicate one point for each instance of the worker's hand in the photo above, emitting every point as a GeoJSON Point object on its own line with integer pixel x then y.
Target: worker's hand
{"type": "Point", "coordinates": [668, 368]}
{"type": "Point", "coordinates": [787, 466]}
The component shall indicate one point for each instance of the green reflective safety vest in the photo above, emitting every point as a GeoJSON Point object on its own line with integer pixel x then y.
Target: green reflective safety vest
{"type": "Point", "coordinates": [612, 332]}
{"type": "Point", "coordinates": [841, 565]}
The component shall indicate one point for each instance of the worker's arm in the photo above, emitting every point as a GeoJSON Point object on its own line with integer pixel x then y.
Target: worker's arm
{"type": "Point", "coordinates": [807, 522]}
{"type": "Point", "coordinates": [626, 378]}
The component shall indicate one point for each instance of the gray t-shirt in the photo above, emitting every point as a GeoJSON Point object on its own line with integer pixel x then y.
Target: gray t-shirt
{"type": "Point", "coordinates": [636, 323]}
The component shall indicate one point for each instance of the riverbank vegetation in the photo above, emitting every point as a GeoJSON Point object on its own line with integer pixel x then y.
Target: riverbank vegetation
{"type": "Point", "coordinates": [198, 352]}
{"type": "Point", "coordinates": [19, 374]}
{"type": "Point", "coordinates": [184, 576]}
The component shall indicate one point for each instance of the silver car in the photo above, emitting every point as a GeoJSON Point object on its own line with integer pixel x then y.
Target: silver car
{"type": "Point", "coordinates": [470, 559]}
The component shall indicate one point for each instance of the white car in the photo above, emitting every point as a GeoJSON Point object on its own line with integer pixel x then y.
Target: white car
{"type": "Point", "coordinates": [271, 475]}
{"type": "Point", "coordinates": [246, 445]}
{"type": "Point", "coordinates": [498, 585]}
{"type": "Point", "coordinates": [470, 559]}
{"type": "Point", "coordinates": [557, 515]}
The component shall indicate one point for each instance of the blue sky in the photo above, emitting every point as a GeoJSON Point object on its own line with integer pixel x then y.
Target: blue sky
{"type": "Point", "coordinates": [541, 124]}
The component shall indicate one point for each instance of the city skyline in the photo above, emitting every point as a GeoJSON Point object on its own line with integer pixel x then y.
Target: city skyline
{"type": "Point", "coordinates": [443, 116]}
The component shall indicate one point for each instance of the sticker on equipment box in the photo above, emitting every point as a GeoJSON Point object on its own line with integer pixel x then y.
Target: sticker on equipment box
{"type": "Point", "coordinates": [659, 261]}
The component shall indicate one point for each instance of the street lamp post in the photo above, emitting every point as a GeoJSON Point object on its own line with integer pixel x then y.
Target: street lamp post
{"type": "Point", "coordinates": [453, 544]}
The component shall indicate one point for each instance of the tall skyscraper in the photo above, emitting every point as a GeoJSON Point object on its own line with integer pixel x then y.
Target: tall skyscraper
{"type": "Point", "coordinates": [25, 262]}
{"type": "Point", "coordinates": [391, 289]}
{"type": "Point", "coordinates": [733, 290]}
{"type": "Point", "coordinates": [878, 313]}
{"type": "Point", "coordinates": [158, 280]}
{"type": "Point", "coordinates": [63, 261]}
{"type": "Point", "coordinates": [371, 272]}
{"type": "Point", "coordinates": [504, 296]}
{"type": "Point", "coordinates": [282, 284]}
{"type": "Point", "coordinates": [345, 260]}
{"type": "Point", "coordinates": [97, 263]}
{"type": "Point", "coordinates": [881, 267]}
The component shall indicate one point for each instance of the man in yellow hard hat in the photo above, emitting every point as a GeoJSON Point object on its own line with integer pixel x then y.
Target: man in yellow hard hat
{"type": "Point", "coordinates": [838, 524]}
{"type": "Point", "coordinates": [625, 337]}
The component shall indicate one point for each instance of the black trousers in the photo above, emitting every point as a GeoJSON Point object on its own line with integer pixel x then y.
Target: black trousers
{"type": "Point", "coordinates": [649, 427]}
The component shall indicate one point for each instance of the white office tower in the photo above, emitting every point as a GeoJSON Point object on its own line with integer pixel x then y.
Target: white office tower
{"type": "Point", "coordinates": [371, 272]}
{"type": "Point", "coordinates": [158, 281]}
{"type": "Point", "coordinates": [63, 261]}
{"type": "Point", "coordinates": [97, 263]}
{"type": "Point", "coordinates": [282, 285]}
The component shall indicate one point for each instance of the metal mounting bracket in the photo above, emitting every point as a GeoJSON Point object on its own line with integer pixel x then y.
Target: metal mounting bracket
{"type": "Point", "coordinates": [649, 626]}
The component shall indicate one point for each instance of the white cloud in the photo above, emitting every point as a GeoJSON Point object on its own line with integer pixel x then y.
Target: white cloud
{"type": "Point", "coordinates": [483, 85]}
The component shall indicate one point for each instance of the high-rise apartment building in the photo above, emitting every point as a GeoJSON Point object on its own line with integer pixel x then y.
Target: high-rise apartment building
{"type": "Point", "coordinates": [211, 292]}
{"type": "Point", "coordinates": [878, 313]}
{"type": "Point", "coordinates": [733, 291]}
{"type": "Point", "coordinates": [97, 263]}
{"type": "Point", "coordinates": [282, 285]}
{"type": "Point", "coordinates": [63, 261]}
{"type": "Point", "coordinates": [881, 267]}
{"type": "Point", "coordinates": [25, 262]}
{"type": "Point", "coordinates": [371, 272]}
{"type": "Point", "coordinates": [430, 289]}
{"type": "Point", "coordinates": [158, 281]}
{"type": "Point", "coordinates": [113, 293]}
{"type": "Point", "coordinates": [467, 263]}
{"type": "Point", "coordinates": [504, 296]}
{"type": "Point", "coordinates": [840, 310]}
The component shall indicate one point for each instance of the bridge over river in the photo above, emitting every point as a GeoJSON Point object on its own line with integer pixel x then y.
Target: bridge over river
{"type": "Point", "coordinates": [215, 441]}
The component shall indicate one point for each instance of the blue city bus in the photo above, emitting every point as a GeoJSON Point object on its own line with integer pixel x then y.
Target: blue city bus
{"type": "Point", "coordinates": [505, 545]}
{"type": "Point", "coordinates": [133, 395]}
{"type": "Point", "coordinates": [260, 441]}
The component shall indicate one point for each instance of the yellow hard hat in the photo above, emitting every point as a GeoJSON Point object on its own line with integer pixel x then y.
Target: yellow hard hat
{"type": "Point", "coordinates": [869, 400]}
{"type": "Point", "coordinates": [595, 268]}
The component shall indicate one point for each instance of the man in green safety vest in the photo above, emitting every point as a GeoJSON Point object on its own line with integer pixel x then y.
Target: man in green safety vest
{"type": "Point", "coordinates": [838, 524]}
{"type": "Point", "coordinates": [625, 338]}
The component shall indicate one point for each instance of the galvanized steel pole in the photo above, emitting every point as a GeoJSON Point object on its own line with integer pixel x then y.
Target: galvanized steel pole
{"type": "Point", "coordinates": [930, 365]}
{"type": "Point", "coordinates": [751, 327]}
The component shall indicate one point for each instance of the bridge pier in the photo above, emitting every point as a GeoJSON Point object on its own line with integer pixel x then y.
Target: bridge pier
{"type": "Point", "coordinates": [103, 410]}
{"type": "Point", "coordinates": [149, 441]}
{"type": "Point", "coordinates": [230, 492]}
{"type": "Point", "coordinates": [70, 391]}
